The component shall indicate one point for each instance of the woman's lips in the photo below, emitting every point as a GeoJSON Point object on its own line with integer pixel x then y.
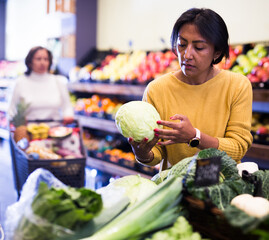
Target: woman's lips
{"type": "Point", "coordinates": [188, 66]}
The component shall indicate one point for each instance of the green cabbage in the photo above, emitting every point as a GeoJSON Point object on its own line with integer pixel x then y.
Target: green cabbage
{"type": "Point", "coordinates": [137, 120]}
{"type": "Point", "coordinates": [135, 187]}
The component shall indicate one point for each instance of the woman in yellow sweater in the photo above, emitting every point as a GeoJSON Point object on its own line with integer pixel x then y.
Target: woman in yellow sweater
{"type": "Point", "coordinates": [200, 105]}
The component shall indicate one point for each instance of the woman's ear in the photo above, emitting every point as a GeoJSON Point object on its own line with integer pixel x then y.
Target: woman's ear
{"type": "Point", "coordinates": [216, 55]}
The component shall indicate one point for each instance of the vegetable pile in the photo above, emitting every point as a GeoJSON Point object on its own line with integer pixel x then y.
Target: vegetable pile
{"type": "Point", "coordinates": [133, 207]}
{"type": "Point", "coordinates": [231, 184]}
{"type": "Point", "coordinates": [233, 195]}
{"type": "Point", "coordinates": [56, 212]}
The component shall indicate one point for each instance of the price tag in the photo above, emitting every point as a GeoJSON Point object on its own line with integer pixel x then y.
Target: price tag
{"type": "Point", "coordinates": [207, 171]}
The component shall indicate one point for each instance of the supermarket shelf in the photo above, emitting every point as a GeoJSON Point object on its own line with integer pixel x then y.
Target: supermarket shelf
{"type": "Point", "coordinates": [4, 83]}
{"type": "Point", "coordinates": [112, 168]}
{"type": "Point", "coordinates": [258, 151]}
{"type": "Point", "coordinates": [4, 133]}
{"type": "Point", "coordinates": [103, 88]}
{"type": "Point", "coordinates": [261, 95]}
{"type": "Point", "coordinates": [97, 123]}
{"type": "Point", "coordinates": [3, 106]}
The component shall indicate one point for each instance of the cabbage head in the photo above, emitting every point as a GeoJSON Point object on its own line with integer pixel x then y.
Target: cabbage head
{"type": "Point", "coordinates": [137, 120]}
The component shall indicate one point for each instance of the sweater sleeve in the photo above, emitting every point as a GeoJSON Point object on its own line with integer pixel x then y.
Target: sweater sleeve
{"type": "Point", "coordinates": [238, 138]}
{"type": "Point", "coordinates": [67, 107]}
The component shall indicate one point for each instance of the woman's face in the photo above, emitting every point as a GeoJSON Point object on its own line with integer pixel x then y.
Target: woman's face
{"type": "Point", "coordinates": [40, 61]}
{"type": "Point", "coordinates": [195, 54]}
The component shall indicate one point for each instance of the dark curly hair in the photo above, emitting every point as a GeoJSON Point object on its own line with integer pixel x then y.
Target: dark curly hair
{"type": "Point", "coordinates": [210, 25]}
{"type": "Point", "coordinates": [30, 56]}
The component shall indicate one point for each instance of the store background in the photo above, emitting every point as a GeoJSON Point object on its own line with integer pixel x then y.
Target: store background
{"type": "Point", "coordinates": [119, 24]}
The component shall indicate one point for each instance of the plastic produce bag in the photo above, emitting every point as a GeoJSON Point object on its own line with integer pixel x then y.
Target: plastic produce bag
{"type": "Point", "coordinates": [22, 208]}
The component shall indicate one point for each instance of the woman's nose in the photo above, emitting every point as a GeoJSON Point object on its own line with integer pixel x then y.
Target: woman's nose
{"type": "Point", "coordinates": [188, 52]}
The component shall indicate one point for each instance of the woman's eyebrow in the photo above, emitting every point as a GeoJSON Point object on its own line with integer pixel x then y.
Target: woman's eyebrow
{"type": "Point", "coordinates": [195, 41]}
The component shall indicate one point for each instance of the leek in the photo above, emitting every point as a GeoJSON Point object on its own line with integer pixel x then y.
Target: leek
{"type": "Point", "coordinates": [137, 219]}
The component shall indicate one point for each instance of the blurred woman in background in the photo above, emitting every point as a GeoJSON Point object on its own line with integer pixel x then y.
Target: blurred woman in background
{"type": "Point", "coordinates": [47, 94]}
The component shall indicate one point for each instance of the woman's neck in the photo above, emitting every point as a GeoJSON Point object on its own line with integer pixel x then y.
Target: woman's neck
{"type": "Point", "coordinates": [197, 80]}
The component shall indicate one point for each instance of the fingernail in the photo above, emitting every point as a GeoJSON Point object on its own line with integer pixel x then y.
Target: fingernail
{"type": "Point", "coordinates": [156, 134]}
{"type": "Point", "coordinates": [158, 122]}
{"type": "Point", "coordinates": [159, 143]}
{"type": "Point", "coordinates": [130, 139]}
{"type": "Point", "coordinates": [156, 130]}
{"type": "Point", "coordinates": [146, 139]}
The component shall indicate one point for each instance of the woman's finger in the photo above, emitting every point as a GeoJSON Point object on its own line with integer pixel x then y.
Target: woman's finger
{"type": "Point", "coordinates": [165, 143]}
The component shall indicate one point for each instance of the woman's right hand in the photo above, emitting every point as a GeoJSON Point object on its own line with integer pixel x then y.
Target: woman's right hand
{"type": "Point", "coordinates": [142, 150]}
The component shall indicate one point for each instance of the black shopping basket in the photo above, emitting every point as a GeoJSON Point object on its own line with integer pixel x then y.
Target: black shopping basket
{"type": "Point", "coordinates": [70, 171]}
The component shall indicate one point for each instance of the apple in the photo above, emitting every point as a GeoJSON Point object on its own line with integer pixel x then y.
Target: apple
{"type": "Point", "coordinates": [256, 69]}
{"type": "Point", "coordinates": [262, 74]}
{"type": "Point", "coordinates": [262, 132]}
{"type": "Point", "coordinates": [238, 49]}
{"type": "Point", "coordinates": [263, 60]}
{"type": "Point", "coordinates": [170, 55]}
{"type": "Point", "coordinates": [253, 78]}
{"type": "Point", "coordinates": [266, 66]}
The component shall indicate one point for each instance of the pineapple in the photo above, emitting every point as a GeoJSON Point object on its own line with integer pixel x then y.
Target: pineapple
{"type": "Point", "coordinates": [19, 121]}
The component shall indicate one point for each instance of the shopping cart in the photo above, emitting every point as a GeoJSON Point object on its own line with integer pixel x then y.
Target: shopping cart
{"type": "Point", "coordinates": [70, 171]}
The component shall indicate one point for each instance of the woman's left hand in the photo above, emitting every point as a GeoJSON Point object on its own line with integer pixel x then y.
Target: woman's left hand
{"type": "Point", "coordinates": [178, 132]}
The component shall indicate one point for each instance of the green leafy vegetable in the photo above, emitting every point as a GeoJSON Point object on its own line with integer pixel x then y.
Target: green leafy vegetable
{"type": "Point", "coordinates": [263, 176]}
{"type": "Point", "coordinates": [107, 214]}
{"type": "Point", "coordinates": [181, 229]}
{"type": "Point", "coordinates": [137, 119]}
{"type": "Point", "coordinates": [160, 177]}
{"type": "Point", "coordinates": [228, 165]}
{"type": "Point", "coordinates": [136, 188]}
{"type": "Point", "coordinates": [57, 211]}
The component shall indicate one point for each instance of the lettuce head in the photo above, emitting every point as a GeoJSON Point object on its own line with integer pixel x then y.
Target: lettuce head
{"type": "Point", "coordinates": [137, 120]}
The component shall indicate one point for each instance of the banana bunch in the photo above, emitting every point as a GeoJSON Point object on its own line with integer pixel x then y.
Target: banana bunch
{"type": "Point", "coordinates": [38, 131]}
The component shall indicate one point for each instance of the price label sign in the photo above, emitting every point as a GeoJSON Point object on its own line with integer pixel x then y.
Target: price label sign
{"type": "Point", "coordinates": [207, 171]}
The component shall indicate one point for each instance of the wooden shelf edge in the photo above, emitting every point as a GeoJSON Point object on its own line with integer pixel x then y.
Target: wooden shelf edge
{"type": "Point", "coordinates": [261, 95]}
{"type": "Point", "coordinates": [258, 151]}
{"type": "Point", "coordinates": [112, 168]}
{"type": "Point", "coordinates": [97, 123]}
{"type": "Point", "coordinates": [106, 88]}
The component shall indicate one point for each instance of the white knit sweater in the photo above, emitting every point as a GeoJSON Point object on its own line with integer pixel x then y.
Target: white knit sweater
{"type": "Point", "coordinates": [47, 94]}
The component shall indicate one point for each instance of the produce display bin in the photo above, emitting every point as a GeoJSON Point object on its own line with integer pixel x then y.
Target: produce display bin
{"type": "Point", "coordinates": [70, 171]}
{"type": "Point", "coordinates": [211, 222]}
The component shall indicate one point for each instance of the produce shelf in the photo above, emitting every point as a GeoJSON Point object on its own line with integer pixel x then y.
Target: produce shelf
{"type": "Point", "coordinates": [4, 83]}
{"type": "Point", "coordinates": [112, 168]}
{"type": "Point", "coordinates": [103, 88]}
{"type": "Point", "coordinates": [3, 106]}
{"type": "Point", "coordinates": [97, 123]}
{"type": "Point", "coordinates": [261, 95]}
{"type": "Point", "coordinates": [4, 133]}
{"type": "Point", "coordinates": [258, 151]}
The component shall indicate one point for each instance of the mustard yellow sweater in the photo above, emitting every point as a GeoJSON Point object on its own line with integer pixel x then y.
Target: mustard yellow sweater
{"type": "Point", "coordinates": [221, 107]}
